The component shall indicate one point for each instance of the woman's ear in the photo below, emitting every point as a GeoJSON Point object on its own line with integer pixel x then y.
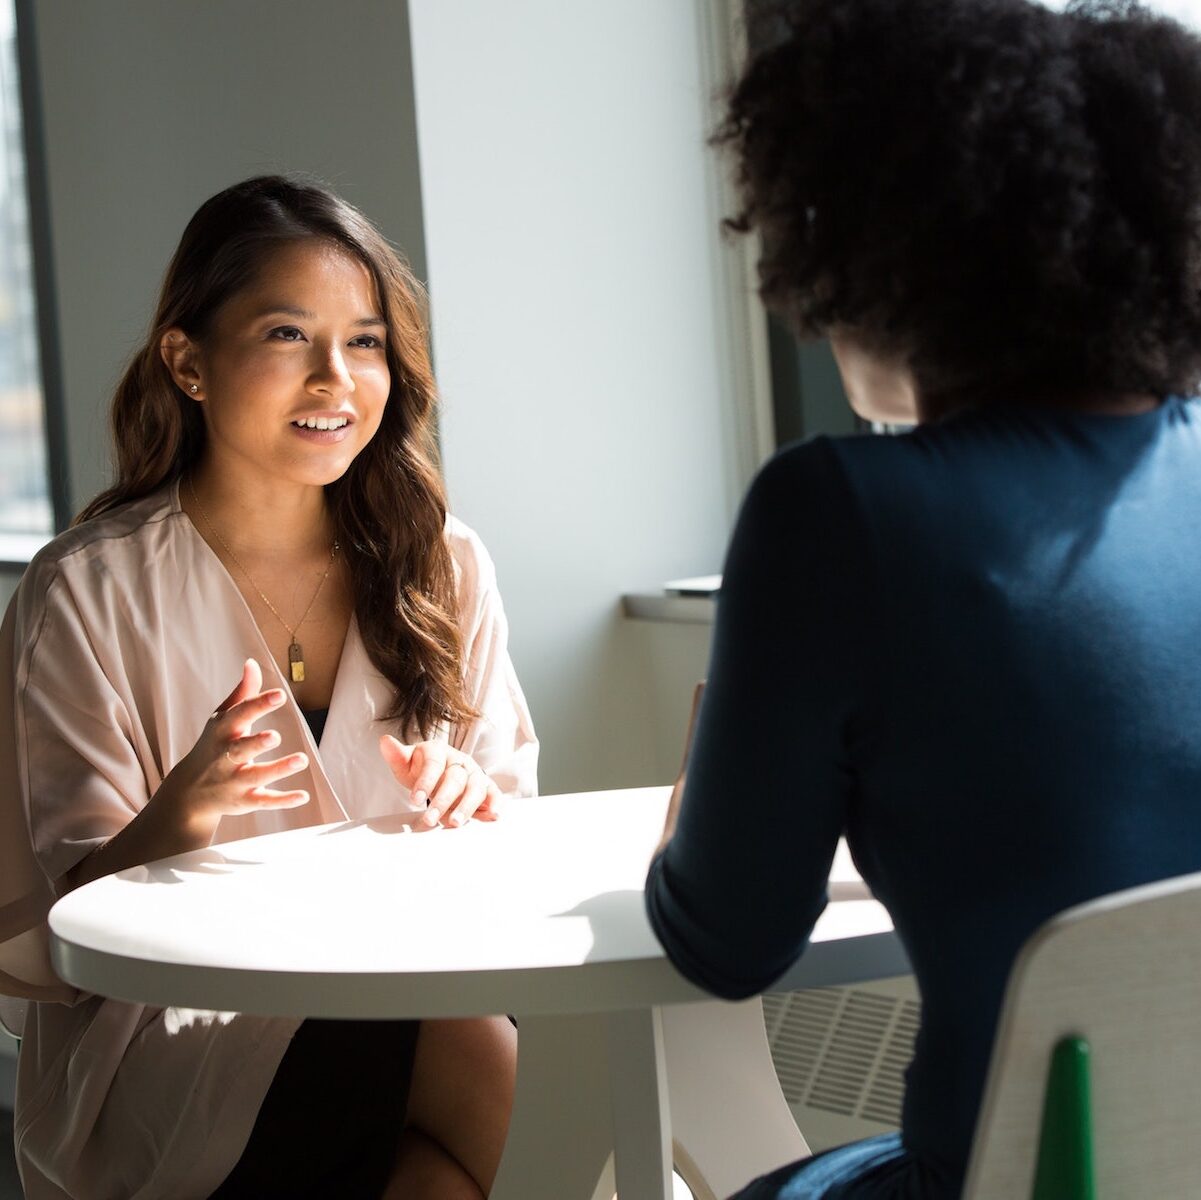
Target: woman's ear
{"type": "Point", "coordinates": [181, 357]}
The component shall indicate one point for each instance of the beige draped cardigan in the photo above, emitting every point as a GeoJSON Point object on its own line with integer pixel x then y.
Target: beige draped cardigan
{"type": "Point", "coordinates": [123, 636]}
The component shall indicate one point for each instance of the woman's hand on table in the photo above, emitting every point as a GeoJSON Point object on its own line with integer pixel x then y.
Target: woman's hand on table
{"type": "Point", "coordinates": [220, 775]}
{"type": "Point", "coordinates": [453, 784]}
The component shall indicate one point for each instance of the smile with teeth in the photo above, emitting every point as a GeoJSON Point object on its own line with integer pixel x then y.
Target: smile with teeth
{"type": "Point", "coordinates": [321, 422]}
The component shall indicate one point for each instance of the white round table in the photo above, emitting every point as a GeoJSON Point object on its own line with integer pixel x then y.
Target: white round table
{"type": "Point", "coordinates": [540, 915]}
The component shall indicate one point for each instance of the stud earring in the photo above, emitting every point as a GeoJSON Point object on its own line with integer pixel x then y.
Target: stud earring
{"type": "Point", "coordinates": [194, 389]}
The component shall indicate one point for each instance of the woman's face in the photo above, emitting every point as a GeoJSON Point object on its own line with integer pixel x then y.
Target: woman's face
{"type": "Point", "coordinates": [878, 390]}
{"type": "Point", "coordinates": [293, 375]}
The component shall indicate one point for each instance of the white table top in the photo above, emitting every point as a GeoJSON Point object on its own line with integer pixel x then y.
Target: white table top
{"type": "Point", "coordinates": [539, 912]}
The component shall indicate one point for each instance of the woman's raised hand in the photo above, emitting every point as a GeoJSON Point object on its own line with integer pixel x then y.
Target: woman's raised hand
{"type": "Point", "coordinates": [455, 785]}
{"type": "Point", "coordinates": [220, 775]}
{"type": "Point", "coordinates": [217, 777]}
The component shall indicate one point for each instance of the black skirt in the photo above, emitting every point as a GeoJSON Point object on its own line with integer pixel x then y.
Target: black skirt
{"type": "Point", "coordinates": [330, 1122]}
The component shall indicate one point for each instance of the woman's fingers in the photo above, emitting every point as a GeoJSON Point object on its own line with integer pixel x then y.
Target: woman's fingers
{"type": "Point", "coordinates": [444, 792]}
{"type": "Point", "coordinates": [252, 775]}
{"type": "Point", "coordinates": [399, 758]}
{"type": "Point", "coordinates": [492, 804]}
{"type": "Point", "coordinates": [249, 685]}
{"type": "Point", "coordinates": [266, 798]}
{"type": "Point", "coordinates": [430, 762]}
{"type": "Point", "coordinates": [474, 794]}
{"type": "Point", "coordinates": [246, 749]}
{"type": "Point", "coordinates": [456, 795]}
{"type": "Point", "coordinates": [238, 720]}
{"type": "Point", "coordinates": [450, 783]}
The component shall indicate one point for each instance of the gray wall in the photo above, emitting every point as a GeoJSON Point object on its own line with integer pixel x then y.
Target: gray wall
{"type": "Point", "coordinates": [150, 107]}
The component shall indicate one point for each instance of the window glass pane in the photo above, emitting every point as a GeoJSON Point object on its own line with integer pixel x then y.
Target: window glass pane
{"type": "Point", "coordinates": [25, 505]}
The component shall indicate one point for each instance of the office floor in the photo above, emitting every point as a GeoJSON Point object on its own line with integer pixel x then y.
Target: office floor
{"type": "Point", "coordinates": [10, 1184]}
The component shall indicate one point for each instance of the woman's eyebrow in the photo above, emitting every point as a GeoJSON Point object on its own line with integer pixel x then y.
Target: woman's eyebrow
{"type": "Point", "coordinates": [286, 310]}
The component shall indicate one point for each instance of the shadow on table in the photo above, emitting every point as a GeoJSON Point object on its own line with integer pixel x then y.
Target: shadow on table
{"type": "Point", "coordinates": [618, 922]}
{"type": "Point", "coordinates": [402, 822]}
{"type": "Point", "coordinates": [213, 861]}
{"type": "Point", "coordinates": [169, 870]}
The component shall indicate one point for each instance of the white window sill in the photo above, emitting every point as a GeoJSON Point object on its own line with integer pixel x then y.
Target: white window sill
{"type": "Point", "coordinates": [685, 601]}
{"type": "Point", "coordinates": [686, 610]}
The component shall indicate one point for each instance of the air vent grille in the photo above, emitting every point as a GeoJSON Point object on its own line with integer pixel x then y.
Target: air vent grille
{"type": "Point", "coordinates": [843, 1050]}
{"type": "Point", "coordinates": [883, 1101]}
{"type": "Point", "coordinates": [798, 1024]}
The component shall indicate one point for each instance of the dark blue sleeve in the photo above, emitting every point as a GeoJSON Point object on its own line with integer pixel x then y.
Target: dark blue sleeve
{"type": "Point", "coordinates": [734, 896]}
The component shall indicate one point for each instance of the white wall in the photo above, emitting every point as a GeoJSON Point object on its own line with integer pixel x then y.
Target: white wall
{"type": "Point", "coordinates": [151, 107]}
{"type": "Point", "coordinates": [571, 238]}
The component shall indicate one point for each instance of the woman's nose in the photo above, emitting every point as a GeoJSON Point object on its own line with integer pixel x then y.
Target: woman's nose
{"type": "Point", "coordinates": [330, 372]}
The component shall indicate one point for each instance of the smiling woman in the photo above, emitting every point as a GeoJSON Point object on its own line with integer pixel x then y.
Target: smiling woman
{"type": "Point", "coordinates": [279, 380]}
{"type": "Point", "coordinates": [287, 409]}
{"type": "Point", "coordinates": [278, 525]}
{"type": "Point", "coordinates": [228, 308]}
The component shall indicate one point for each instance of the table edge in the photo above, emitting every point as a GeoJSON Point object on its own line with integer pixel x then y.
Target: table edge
{"type": "Point", "coordinates": [531, 991]}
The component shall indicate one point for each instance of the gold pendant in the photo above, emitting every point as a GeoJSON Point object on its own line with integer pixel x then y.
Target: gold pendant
{"type": "Point", "coordinates": [296, 662]}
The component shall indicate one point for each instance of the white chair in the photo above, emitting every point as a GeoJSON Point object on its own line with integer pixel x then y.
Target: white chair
{"type": "Point", "coordinates": [1112, 990]}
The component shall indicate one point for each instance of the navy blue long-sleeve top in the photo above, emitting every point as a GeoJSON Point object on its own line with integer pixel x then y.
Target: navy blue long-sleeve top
{"type": "Point", "coordinates": [975, 650]}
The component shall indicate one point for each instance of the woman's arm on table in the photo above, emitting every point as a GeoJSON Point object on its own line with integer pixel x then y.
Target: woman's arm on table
{"type": "Point", "coordinates": [755, 821]}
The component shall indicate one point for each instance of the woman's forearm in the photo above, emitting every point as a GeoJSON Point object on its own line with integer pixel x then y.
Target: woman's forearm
{"type": "Point", "coordinates": [163, 828]}
{"type": "Point", "coordinates": [220, 775]}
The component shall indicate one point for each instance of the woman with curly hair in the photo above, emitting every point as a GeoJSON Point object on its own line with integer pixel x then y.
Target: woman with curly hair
{"type": "Point", "coordinates": [277, 525]}
{"type": "Point", "coordinates": [970, 649]}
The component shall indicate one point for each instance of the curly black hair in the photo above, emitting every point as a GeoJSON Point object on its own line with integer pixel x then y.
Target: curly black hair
{"type": "Point", "coordinates": [1003, 196]}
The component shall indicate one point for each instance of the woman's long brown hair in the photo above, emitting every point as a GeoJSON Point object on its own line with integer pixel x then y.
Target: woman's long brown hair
{"type": "Point", "coordinates": [389, 509]}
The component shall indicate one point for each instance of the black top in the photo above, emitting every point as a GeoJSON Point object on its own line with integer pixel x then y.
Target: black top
{"type": "Point", "coordinates": [316, 717]}
{"type": "Point", "coordinates": [974, 649]}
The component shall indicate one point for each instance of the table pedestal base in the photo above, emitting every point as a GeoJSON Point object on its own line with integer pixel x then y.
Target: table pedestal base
{"type": "Point", "coordinates": [640, 1086]}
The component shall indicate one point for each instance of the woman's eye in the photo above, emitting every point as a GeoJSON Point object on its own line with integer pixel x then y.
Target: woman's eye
{"type": "Point", "coordinates": [367, 341]}
{"type": "Point", "coordinates": [286, 333]}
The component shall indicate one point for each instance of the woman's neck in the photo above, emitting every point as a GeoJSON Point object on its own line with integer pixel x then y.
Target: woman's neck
{"type": "Point", "coordinates": [264, 518]}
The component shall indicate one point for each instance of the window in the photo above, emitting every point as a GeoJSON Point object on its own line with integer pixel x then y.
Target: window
{"type": "Point", "coordinates": [26, 508]}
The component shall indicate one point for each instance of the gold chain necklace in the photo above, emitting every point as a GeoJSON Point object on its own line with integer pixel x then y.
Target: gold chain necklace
{"type": "Point", "coordinates": [295, 653]}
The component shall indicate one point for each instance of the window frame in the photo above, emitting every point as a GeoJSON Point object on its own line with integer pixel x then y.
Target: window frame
{"type": "Point", "coordinates": [17, 549]}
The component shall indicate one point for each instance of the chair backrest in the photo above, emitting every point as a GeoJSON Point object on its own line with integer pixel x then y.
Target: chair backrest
{"type": "Point", "coordinates": [1123, 973]}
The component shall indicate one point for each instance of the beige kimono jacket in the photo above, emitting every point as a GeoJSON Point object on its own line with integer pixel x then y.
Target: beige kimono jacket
{"type": "Point", "coordinates": [124, 635]}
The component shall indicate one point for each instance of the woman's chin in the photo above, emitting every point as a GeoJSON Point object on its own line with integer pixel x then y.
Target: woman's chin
{"type": "Point", "coordinates": [320, 470]}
